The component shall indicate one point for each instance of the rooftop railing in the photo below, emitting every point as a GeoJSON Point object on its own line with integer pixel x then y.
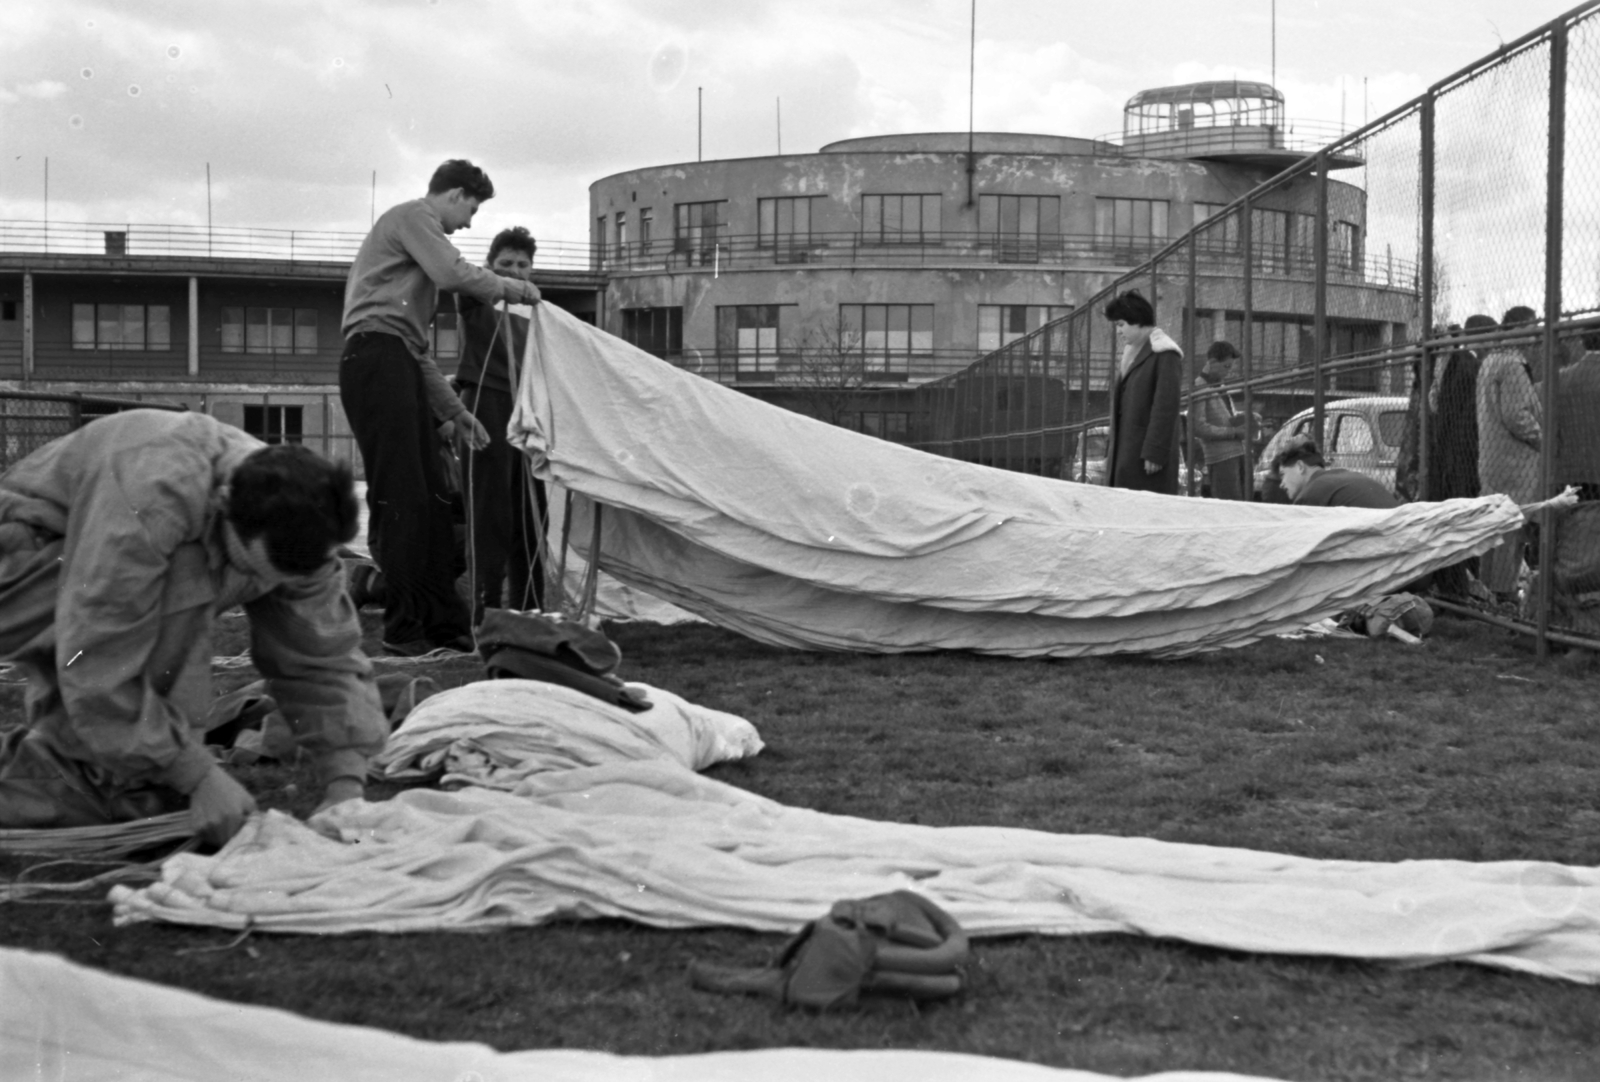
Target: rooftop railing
{"type": "Point", "coordinates": [742, 251]}
{"type": "Point", "coordinates": [1293, 137]}
{"type": "Point", "coordinates": [231, 242]}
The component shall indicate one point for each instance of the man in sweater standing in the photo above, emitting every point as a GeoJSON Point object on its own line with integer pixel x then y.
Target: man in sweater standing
{"type": "Point", "coordinates": [1220, 428]}
{"type": "Point", "coordinates": [396, 398]}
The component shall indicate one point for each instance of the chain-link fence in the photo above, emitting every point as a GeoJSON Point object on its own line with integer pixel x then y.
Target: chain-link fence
{"type": "Point", "coordinates": [1420, 298]}
{"type": "Point", "coordinates": [28, 420]}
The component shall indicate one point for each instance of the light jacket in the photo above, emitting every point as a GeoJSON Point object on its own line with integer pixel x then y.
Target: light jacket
{"type": "Point", "coordinates": [1221, 436]}
{"type": "Point", "coordinates": [136, 501]}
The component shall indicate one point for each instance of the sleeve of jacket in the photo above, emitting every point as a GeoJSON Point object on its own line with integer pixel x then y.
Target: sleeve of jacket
{"type": "Point", "coordinates": [305, 638]}
{"type": "Point", "coordinates": [127, 518]}
{"type": "Point", "coordinates": [1211, 419]}
{"type": "Point", "coordinates": [426, 243]}
{"type": "Point", "coordinates": [1165, 397]}
{"type": "Point", "coordinates": [1519, 405]}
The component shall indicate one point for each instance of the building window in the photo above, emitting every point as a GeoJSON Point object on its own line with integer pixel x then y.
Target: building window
{"type": "Point", "coordinates": [886, 426]}
{"type": "Point", "coordinates": [8, 310]}
{"type": "Point", "coordinates": [622, 234]}
{"type": "Point", "coordinates": [1020, 226]}
{"type": "Point", "coordinates": [654, 330]}
{"type": "Point", "coordinates": [274, 424]}
{"type": "Point", "coordinates": [887, 335]}
{"type": "Point", "coordinates": [446, 335]}
{"type": "Point", "coordinates": [1139, 224]}
{"type": "Point", "coordinates": [698, 229]}
{"type": "Point", "coordinates": [753, 334]}
{"type": "Point", "coordinates": [1344, 246]}
{"type": "Point", "coordinates": [1001, 324]}
{"type": "Point", "coordinates": [1222, 237]}
{"type": "Point", "coordinates": [269, 330]}
{"type": "Point", "coordinates": [900, 219]}
{"type": "Point", "coordinates": [122, 326]}
{"type": "Point", "coordinates": [1269, 239]}
{"type": "Point", "coordinates": [784, 226]}
{"type": "Point", "coordinates": [647, 226]}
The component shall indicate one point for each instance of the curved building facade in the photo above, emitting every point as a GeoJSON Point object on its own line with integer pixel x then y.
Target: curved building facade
{"type": "Point", "coordinates": [833, 282]}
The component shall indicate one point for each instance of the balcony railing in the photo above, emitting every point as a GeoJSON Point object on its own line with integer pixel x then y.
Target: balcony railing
{"type": "Point", "coordinates": [743, 251]}
{"type": "Point", "coordinates": [135, 239]}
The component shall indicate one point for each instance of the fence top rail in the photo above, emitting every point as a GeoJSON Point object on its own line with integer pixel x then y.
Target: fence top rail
{"type": "Point", "coordinates": [86, 399]}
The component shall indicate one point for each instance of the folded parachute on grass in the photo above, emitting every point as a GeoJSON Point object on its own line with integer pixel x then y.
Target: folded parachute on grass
{"type": "Point", "coordinates": [60, 1020]}
{"type": "Point", "coordinates": [498, 733]}
{"type": "Point", "coordinates": [652, 842]}
{"type": "Point", "coordinates": [803, 534]}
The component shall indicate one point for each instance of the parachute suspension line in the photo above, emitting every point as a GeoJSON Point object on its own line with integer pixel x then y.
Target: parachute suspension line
{"type": "Point", "coordinates": [591, 574]}
{"type": "Point", "coordinates": [566, 541]}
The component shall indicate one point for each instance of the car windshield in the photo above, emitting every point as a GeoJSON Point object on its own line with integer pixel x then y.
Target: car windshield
{"type": "Point", "coordinates": [1390, 425]}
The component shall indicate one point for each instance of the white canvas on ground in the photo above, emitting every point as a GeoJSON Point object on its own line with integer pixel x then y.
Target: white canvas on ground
{"type": "Point", "coordinates": [656, 843]}
{"type": "Point", "coordinates": [803, 534]}
{"type": "Point", "coordinates": [69, 1023]}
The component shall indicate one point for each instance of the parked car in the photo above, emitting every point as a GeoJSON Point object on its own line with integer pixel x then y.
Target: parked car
{"type": "Point", "coordinates": [1361, 434]}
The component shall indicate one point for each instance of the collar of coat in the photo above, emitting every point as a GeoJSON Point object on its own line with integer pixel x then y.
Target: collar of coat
{"type": "Point", "coordinates": [1158, 342]}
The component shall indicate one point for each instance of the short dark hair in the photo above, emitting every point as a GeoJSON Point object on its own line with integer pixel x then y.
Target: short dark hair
{"type": "Point", "coordinates": [1221, 350]}
{"type": "Point", "coordinates": [517, 238]}
{"type": "Point", "coordinates": [1299, 449]}
{"type": "Point", "coordinates": [1519, 315]}
{"type": "Point", "coordinates": [460, 173]}
{"type": "Point", "coordinates": [1131, 307]}
{"type": "Point", "coordinates": [1479, 323]}
{"type": "Point", "coordinates": [303, 504]}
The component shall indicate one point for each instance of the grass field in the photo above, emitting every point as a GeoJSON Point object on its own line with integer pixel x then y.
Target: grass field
{"type": "Point", "coordinates": [1465, 748]}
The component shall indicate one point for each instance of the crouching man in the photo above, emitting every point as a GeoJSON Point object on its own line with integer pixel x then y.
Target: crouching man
{"type": "Point", "coordinates": [119, 544]}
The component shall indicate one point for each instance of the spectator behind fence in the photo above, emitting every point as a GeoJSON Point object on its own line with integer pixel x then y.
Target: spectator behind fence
{"type": "Point", "coordinates": [1143, 452]}
{"type": "Point", "coordinates": [1509, 428]}
{"type": "Point", "coordinates": [1453, 465]}
{"type": "Point", "coordinates": [1220, 428]}
{"type": "Point", "coordinates": [1577, 428]}
{"type": "Point", "coordinates": [1309, 481]}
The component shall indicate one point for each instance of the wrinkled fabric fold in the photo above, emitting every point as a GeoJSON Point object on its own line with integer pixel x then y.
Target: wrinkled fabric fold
{"type": "Point", "coordinates": [655, 843]}
{"type": "Point", "coordinates": [804, 534]}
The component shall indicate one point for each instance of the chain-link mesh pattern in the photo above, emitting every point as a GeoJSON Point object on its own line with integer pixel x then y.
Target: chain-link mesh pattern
{"type": "Point", "coordinates": [1352, 328]}
{"type": "Point", "coordinates": [27, 424]}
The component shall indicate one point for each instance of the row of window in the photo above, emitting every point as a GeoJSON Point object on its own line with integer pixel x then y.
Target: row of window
{"type": "Point", "coordinates": [149, 327]}
{"type": "Point", "coordinates": [1279, 239]}
{"type": "Point", "coordinates": [784, 222]}
{"type": "Point", "coordinates": [885, 334]}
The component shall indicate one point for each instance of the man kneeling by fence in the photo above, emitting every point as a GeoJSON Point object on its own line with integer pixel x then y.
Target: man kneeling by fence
{"type": "Point", "coordinates": [119, 544]}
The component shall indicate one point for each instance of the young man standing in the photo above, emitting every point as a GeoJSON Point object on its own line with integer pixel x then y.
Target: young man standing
{"type": "Point", "coordinates": [506, 519]}
{"type": "Point", "coordinates": [1220, 428]}
{"type": "Point", "coordinates": [396, 398]}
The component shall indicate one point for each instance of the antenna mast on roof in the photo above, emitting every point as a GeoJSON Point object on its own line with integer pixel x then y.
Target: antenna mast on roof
{"type": "Point", "coordinates": [1274, 42]}
{"type": "Point", "coordinates": [972, 73]}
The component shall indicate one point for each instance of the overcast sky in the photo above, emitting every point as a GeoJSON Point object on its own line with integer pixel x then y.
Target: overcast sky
{"type": "Point", "coordinates": [294, 103]}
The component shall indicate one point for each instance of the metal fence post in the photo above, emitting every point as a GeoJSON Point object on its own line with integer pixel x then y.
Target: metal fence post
{"type": "Point", "coordinates": [1189, 337]}
{"type": "Point", "coordinates": [1554, 200]}
{"type": "Point", "coordinates": [1247, 350]}
{"type": "Point", "coordinates": [1425, 287]}
{"type": "Point", "coordinates": [1320, 299]}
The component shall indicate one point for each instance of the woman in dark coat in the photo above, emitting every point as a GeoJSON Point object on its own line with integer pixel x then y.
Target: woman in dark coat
{"type": "Point", "coordinates": [1145, 400]}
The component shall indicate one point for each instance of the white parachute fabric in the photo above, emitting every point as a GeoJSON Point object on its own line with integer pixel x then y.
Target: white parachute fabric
{"type": "Point", "coordinates": [497, 733]}
{"type": "Point", "coordinates": [803, 534]}
{"type": "Point", "coordinates": [60, 1020]}
{"type": "Point", "coordinates": [654, 843]}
